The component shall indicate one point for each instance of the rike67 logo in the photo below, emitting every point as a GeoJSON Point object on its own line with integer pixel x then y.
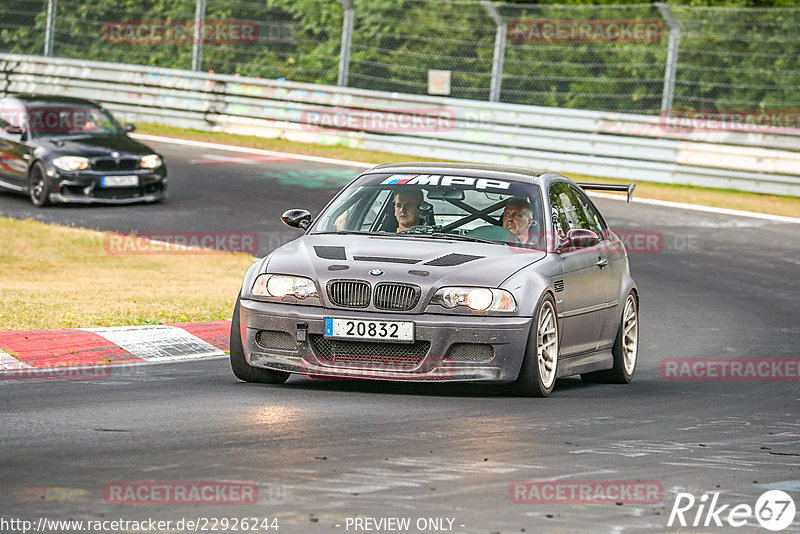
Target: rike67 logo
{"type": "Point", "coordinates": [774, 510]}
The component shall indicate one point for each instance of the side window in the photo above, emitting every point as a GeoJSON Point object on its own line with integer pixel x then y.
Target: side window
{"type": "Point", "coordinates": [564, 212]}
{"type": "Point", "coordinates": [593, 219]}
{"type": "Point", "coordinates": [375, 208]}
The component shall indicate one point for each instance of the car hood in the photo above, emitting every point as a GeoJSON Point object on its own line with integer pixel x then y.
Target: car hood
{"type": "Point", "coordinates": [426, 262]}
{"type": "Point", "coordinates": [96, 146]}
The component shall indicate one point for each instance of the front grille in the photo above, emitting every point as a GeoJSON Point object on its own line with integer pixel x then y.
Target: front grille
{"type": "Point", "coordinates": [389, 356]}
{"type": "Point", "coordinates": [117, 192]}
{"type": "Point", "coordinates": [274, 339]}
{"type": "Point", "coordinates": [397, 297]}
{"type": "Point", "coordinates": [115, 164]}
{"type": "Point", "coordinates": [349, 293]}
{"type": "Point", "coordinates": [471, 352]}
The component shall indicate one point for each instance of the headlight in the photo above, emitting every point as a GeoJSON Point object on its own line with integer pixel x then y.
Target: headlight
{"type": "Point", "coordinates": [71, 163]}
{"type": "Point", "coordinates": [152, 161]}
{"type": "Point", "coordinates": [476, 298]}
{"type": "Point", "coordinates": [279, 285]}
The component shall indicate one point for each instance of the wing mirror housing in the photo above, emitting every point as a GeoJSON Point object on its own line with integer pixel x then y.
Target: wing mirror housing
{"type": "Point", "coordinates": [296, 218]}
{"type": "Point", "coordinates": [16, 130]}
{"type": "Point", "coordinates": [129, 127]}
{"type": "Point", "coordinates": [578, 238]}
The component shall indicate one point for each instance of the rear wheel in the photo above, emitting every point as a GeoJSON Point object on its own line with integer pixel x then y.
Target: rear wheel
{"type": "Point", "coordinates": [39, 186]}
{"type": "Point", "coordinates": [242, 369]}
{"type": "Point", "coordinates": [538, 373]}
{"type": "Point", "coordinates": [625, 350]}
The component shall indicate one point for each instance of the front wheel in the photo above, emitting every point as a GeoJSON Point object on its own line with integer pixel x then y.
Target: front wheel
{"type": "Point", "coordinates": [625, 350]}
{"type": "Point", "coordinates": [39, 186]}
{"type": "Point", "coordinates": [242, 369]}
{"type": "Point", "coordinates": [538, 373]}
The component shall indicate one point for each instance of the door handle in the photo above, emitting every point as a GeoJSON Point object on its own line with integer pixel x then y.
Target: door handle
{"type": "Point", "coordinates": [601, 262]}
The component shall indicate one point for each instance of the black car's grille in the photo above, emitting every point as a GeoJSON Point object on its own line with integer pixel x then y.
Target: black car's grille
{"type": "Point", "coordinates": [398, 297]}
{"type": "Point", "coordinates": [349, 293]}
{"type": "Point", "coordinates": [115, 164]}
{"type": "Point", "coordinates": [273, 339]}
{"type": "Point", "coordinates": [386, 356]}
{"type": "Point", "coordinates": [471, 352]}
{"type": "Point", "coordinates": [117, 192]}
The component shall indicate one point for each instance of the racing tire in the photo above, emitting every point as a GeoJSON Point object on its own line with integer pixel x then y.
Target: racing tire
{"type": "Point", "coordinates": [537, 376]}
{"type": "Point", "coordinates": [38, 186]}
{"type": "Point", "coordinates": [625, 349]}
{"type": "Point", "coordinates": [243, 370]}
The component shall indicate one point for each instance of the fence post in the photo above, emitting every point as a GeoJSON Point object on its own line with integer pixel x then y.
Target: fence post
{"type": "Point", "coordinates": [199, 22]}
{"type": "Point", "coordinates": [50, 29]}
{"type": "Point", "coordinates": [499, 50]}
{"type": "Point", "coordinates": [347, 39]}
{"type": "Point", "coordinates": [672, 56]}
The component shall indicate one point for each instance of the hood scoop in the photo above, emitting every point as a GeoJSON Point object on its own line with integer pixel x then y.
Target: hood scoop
{"type": "Point", "coordinates": [330, 253]}
{"type": "Point", "coordinates": [454, 259]}
{"type": "Point", "coordinates": [381, 259]}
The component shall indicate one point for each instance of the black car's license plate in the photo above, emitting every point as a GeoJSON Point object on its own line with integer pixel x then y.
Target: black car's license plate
{"type": "Point", "coordinates": [399, 331]}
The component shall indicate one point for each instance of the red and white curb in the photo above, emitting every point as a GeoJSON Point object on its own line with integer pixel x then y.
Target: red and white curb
{"type": "Point", "coordinates": [45, 349]}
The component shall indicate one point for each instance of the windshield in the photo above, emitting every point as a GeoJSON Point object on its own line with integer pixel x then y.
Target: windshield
{"type": "Point", "coordinates": [69, 120]}
{"type": "Point", "coordinates": [457, 207]}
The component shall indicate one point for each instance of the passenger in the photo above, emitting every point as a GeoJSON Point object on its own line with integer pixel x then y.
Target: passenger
{"type": "Point", "coordinates": [406, 209]}
{"type": "Point", "coordinates": [518, 217]}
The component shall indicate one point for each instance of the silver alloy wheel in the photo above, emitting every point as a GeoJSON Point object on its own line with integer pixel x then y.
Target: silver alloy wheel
{"type": "Point", "coordinates": [630, 335]}
{"type": "Point", "coordinates": [547, 345]}
{"type": "Point", "coordinates": [37, 185]}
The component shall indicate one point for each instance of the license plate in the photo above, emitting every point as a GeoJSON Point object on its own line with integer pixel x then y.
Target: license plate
{"type": "Point", "coordinates": [119, 181]}
{"type": "Point", "coordinates": [399, 331]}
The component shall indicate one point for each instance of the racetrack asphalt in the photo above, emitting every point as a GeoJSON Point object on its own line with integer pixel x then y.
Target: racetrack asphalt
{"type": "Point", "coordinates": [323, 451]}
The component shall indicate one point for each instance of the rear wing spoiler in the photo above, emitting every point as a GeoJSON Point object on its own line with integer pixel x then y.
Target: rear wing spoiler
{"type": "Point", "coordinates": [610, 187]}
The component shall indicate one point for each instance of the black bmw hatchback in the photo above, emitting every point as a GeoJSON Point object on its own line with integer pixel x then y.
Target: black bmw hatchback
{"type": "Point", "coordinates": [63, 149]}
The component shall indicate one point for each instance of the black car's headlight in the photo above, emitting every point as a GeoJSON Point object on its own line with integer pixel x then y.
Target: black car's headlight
{"type": "Point", "coordinates": [475, 298]}
{"type": "Point", "coordinates": [71, 163]}
{"type": "Point", "coordinates": [153, 161]}
{"type": "Point", "coordinates": [279, 286]}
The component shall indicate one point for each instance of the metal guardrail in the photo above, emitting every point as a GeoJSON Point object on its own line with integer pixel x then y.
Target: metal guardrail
{"type": "Point", "coordinates": [572, 141]}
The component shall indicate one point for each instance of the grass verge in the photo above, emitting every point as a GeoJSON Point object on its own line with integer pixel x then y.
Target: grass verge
{"type": "Point", "coordinates": [60, 277]}
{"type": "Point", "coordinates": [720, 198]}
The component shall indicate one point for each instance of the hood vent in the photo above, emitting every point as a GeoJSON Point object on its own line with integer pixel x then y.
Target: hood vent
{"type": "Point", "coordinates": [331, 253]}
{"type": "Point", "coordinates": [451, 260]}
{"type": "Point", "coordinates": [381, 259]}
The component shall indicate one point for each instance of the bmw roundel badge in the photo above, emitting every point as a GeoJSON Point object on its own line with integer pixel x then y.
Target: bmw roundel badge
{"type": "Point", "coordinates": [376, 272]}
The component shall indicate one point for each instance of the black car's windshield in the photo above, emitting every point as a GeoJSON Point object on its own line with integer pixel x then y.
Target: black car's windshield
{"type": "Point", "coordinates": [439, 206]}
{"type": "Point", "coordinates": [58, 120]}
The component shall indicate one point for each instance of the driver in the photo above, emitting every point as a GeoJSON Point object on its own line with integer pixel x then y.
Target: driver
{"type": "Point", "coordinates": [518, 217]}
{"type": "Point", "coordinates": [406, 209]}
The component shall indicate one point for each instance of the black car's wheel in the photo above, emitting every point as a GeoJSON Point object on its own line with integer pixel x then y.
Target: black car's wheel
{"type": "Point", "coordinates": [39, 185]}
{"type": "Point", "coordinates": [242, 369]}
{"type": "Point", "coordinates": [625, 350]}
{"type": "Point", "coordinates": [538, 373]}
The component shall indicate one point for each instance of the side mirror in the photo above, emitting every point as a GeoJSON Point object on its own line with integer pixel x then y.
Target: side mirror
{"type": "Point", "coordinates": [129, 127]}
{"type": "Point", "coordinates": [578, 238]}
{"type": "Point", "coordinates": [17, 130]}
{"type": "Point", "coordinates": [296, 218]}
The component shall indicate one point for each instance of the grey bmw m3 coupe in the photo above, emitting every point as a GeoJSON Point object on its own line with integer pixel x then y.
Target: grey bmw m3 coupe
{"type": "Point", "coordinates": [444, 272]}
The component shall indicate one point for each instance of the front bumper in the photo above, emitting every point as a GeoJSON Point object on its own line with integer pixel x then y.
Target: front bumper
{"type": "Point", "coordinates": [85, 187]}
{"type": "Point", "coordinates": [439, 347]}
